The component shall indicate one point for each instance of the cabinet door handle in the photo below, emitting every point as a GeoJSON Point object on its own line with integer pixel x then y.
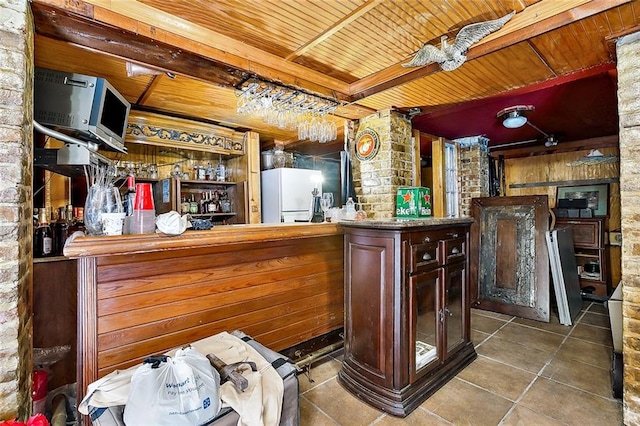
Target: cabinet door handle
{"type": "Point", "coordinates": [448, 312]}
{"type": "Point", "coordinates": [455, 250]}
{"type": "Point", "coordinates": [426, 240]}
{"type": "Point", "coordinates": [426, 256]}
{"type": "Point", "coordinates": [441, 314]}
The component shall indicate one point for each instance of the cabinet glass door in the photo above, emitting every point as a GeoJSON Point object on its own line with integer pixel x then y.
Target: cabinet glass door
{"type": "Point", "coordinates": [453, 307]}
{"type": "Point", "coordinates": [424, 330]}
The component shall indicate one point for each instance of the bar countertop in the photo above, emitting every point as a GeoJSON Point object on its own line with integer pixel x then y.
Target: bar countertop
{"type": "Point", "coordinates": [400, 223]}
{"type": "Point", "coordinates": [228, 234]}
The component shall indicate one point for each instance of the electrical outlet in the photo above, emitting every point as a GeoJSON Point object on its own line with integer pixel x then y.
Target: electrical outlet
{"type": "Point", "coordinates": [615, 238]}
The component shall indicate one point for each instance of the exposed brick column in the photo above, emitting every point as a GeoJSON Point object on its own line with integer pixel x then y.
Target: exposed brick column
{"type": "Point", "coordinates": [16, 63]}
{"type": "Point", "coordinates": [628, 52]}
{"type": "Point", "coordinates": [473, 171]}
{"type": "Point", "coordinates": [376, 180]}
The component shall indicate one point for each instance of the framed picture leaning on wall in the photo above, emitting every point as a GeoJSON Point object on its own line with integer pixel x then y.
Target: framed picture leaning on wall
{"type": "Point", "coordinates": [597, 196]}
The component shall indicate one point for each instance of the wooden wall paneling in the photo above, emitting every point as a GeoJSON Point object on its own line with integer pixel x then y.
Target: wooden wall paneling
{"type": "Point", "coordinates": [252, 147]}
{"type": "Point", "coordinates": [439, 178]}
{"type": "Point", "coordinates": [213, 312]}
{"type": "Point", "coordinates": [248, 294]}
{"type": "Point", "coordinates": [151, 302]}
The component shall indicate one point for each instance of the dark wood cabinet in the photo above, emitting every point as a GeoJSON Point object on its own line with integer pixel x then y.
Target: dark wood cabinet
{"type": "Point", "coordinates": [407, 315]}
{"type": "Point", "coordinates": [591, 252]}
{"type": "Point", "coordinates": [55, 313]}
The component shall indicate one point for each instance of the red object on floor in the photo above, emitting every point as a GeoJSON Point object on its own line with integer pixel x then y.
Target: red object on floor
{"type": "Point", "coordinates": [37, 420]}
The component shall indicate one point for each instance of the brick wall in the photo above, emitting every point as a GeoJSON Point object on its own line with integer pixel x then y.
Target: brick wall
{"type": "Point", "coordinates": [376, 180]}
{"type": "Point", "coordinates": [628, 52]}
{"type": "Point", "coordinates": [473, 172]}
{"type": "Point", "coordinates": [16, 61]}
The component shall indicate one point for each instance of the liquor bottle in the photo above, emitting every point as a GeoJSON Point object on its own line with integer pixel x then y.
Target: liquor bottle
{"type": "Point", "coordinates": [42, 237]}
{"type": "Point", "coordinates": [203, 205]}
{"type": "Point", "coordinates": [60, 231]}
{"type": "Point", "coordinates": [77, 223]}
{"type": "Point", "coordinates": [210, 174]}
{"type": "Point", "coordinates": [130, 195]}
{"type": "Point", "coordinates": [185, 207]}
{"type": "Point", "coordinates": [221, 172]}
{"type": "Point", "coordinates": [193, 206]}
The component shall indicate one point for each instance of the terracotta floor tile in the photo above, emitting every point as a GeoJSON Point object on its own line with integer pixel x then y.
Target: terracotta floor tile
{"type": "Point", "coordinates": [522, 416]}
{"type": "Point", "coordinates": [310, 415]}
{"type": "Point", "coordinates": [492, 314]}
{"type": "Point", "coordinates": [464, 404]}
{"type": "Point", "coordinates": [496, 377]}
{"type": "Point", "coordinates": [531, 337]}
{"type": "Point", "coordinates": [585, 352]}
{"type": "Point", "coordinates": [573, 387]}
{"type": "Point", "coordinates": [582, 376]}
{"type": "Point", "coordinates": [419, 416]}
{"type": "Point", "coordinates": [344, 410]}
{"type": "Point", "coordinates": [596, 319]}
{"type": "Point", "coordinates": [598, 308]}
{"type": "Point", "coordinates": [486, 324]}
{"type": "Point", "coordinates": [592, 334]}
{"type": "Point", "coordinates": [320, 372]}
{"type": "Point", "coordinates": [553, 325]}
{"type": "Point", "coordinates": [477, 337]}
{"type": "Point", "coordinates": [570, 405]}
{"type": "Point", "coordinates": [514, 354]}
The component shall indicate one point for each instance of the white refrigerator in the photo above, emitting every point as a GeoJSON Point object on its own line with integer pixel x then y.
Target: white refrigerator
{"type": "Point", "coordinates": [287, 194]}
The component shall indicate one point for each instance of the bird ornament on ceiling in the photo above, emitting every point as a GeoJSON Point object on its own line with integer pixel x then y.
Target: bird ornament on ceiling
{"type": "Point", "coordinates": [451, 56]}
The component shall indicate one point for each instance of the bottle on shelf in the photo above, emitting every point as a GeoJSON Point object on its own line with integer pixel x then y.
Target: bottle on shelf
{"type": "Point", "coordinates": [185, 207]}
{"type": "Point", "coordinates": [221, 170]}
{"type": "Point", "coordinates": [193, 206]}
{"type": "Point", "coordinates": [210, 174]}
{"type": "Point", "coordinates": [77, 223]}
{"type": "Point", "coordinates": [43, 236]}
{"type": "Point", "coordinates": [203, 205]}
{"type": "Point", "coordinates": [130, 195]}
{"type": "Point", "coordinates": [60, 231]}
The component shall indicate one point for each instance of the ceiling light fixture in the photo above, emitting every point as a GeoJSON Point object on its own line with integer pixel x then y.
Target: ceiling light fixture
{"type": "Point", "coordinates": [514, 117]}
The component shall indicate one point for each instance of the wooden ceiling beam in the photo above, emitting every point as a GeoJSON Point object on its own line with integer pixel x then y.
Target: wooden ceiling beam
{"type": "Point", "coordinates": [137, 18]}
{"type": "Point", "coordinates": [537, 19]}
{"type": "Point", "coordinates": [581, 145]}
{"type": "Point", "coordinates": [339, 25]}
{"type": "Point", "coordinates": [75, 29]}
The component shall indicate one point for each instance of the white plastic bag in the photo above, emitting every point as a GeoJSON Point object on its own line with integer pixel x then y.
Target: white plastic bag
{"type": "Point", "coordinates": [165, 391]}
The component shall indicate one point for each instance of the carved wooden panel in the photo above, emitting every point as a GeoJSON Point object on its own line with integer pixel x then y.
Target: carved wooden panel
{"type": "Point", "coordinates": [509, 261]}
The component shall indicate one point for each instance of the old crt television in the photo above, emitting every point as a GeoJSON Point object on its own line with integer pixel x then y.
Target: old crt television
{"type": "Point", "coordinates": [85, 107]}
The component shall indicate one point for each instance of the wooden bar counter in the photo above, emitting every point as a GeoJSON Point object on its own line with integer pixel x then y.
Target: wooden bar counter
{"type": "Point", "coordinates": [140, 295]}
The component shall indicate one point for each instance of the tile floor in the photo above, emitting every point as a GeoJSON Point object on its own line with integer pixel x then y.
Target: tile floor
{"type": "Point", "coordinates": [526, 373]}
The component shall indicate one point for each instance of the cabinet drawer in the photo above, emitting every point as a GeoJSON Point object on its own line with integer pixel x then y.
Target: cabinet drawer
{"type": "Point", "coordinates": [586, 233]}
{"type": "Point", "coordinates": [424, 257]}
{"type": "Point", "coordinates": [453, 250]}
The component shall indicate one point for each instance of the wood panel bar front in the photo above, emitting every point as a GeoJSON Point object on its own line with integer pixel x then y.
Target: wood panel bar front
{"type": "Point", "coordinates": [140, 295]}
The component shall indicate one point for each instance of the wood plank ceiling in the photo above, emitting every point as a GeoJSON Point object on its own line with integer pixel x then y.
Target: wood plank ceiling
{"type": "Point", "coordinates": [350, 50]}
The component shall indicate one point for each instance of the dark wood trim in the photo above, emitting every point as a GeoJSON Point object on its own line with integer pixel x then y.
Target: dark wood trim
{"type": "Point", "coordinates": [87, 359]}
{"type": "Point", "coordinates": [396, 74]}
{"type": "Point", "coordinates": [581, 145]}
{"type": "Point", "coordinates": [565, 183]}
{"type": "Point", "coordinates": [80, 30]}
